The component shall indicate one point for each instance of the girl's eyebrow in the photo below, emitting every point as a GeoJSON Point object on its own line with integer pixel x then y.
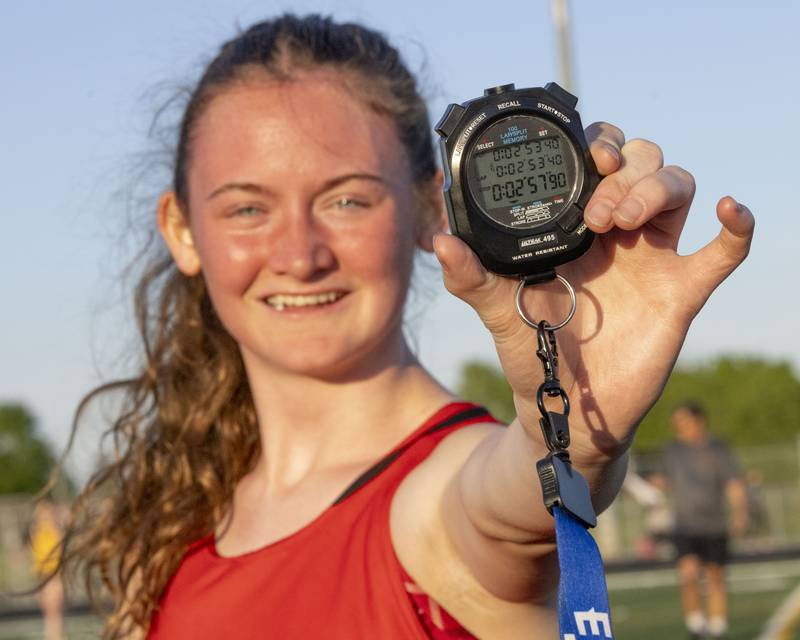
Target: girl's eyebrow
{"type": "Point", "coordinates": [330, 184]}
{"type": "Point", "coordinates": [252, 187]}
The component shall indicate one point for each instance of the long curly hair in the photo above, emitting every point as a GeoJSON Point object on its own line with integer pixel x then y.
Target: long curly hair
{"type": "Point", "coordinates": [187, 431]}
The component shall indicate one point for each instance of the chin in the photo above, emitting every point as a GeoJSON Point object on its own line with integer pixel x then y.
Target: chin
{"type": "Point", "coordinates": [329, 369]}
{"type": "Point", "coordinates": [323, 363]}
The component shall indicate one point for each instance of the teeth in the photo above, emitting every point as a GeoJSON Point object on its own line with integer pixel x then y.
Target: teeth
{"type": "Point", "coordinates": [281, 301]}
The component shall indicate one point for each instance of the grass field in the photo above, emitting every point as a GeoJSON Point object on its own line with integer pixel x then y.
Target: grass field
{"type": "Point", "coordinates": [644, 605]}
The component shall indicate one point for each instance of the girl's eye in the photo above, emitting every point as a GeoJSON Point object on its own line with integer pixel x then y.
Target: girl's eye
{"type": "Point", "coordinates": [349, 203]}
{"type": "Point", "coordinates": [247, 211]}
{"type": "Point", "coordinates": [244, 212]}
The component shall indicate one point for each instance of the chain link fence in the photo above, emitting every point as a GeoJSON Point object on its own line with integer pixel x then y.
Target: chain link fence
{"type": "Point", "coordinates": [636, 529]}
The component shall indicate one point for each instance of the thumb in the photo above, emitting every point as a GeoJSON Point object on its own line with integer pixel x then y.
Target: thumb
{"type": "Point", "coordinates": [466, 278]}
{"type": "Point", "coordinates": [717, 260]}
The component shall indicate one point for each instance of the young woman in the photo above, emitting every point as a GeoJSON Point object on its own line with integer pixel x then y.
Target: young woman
{"type": "Point", "coordinates": [286, 467]}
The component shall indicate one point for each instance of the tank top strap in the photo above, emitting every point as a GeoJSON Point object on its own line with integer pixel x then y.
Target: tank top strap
{"type": "Point", "coordinates": [456, 414]}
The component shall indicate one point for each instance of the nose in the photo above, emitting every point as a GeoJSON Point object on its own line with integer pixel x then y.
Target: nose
{"type": "Point", "coordinates": [300, 249]}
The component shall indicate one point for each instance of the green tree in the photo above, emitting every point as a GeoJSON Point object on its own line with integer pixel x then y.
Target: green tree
{"type": "Point", "coordinates": [486, 385]}
{"type": "Point", "coordinates": [750, 401]}
{"type": "Point", "coordinates": [25, 459]}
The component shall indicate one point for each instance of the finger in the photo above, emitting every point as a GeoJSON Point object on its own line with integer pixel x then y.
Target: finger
{"type": "Point", "coordinates": [605, 144]}
{"type": "Point", "coordinates": [715, 262]}
{"type": "Point", "coordinates": [667, 193]}
{"type": "Point", "coordinates": [639, 159]}
{"type": "Point", "coordinates": [466, 278]}
{"type": "Point", "coordinates": [461, 268]}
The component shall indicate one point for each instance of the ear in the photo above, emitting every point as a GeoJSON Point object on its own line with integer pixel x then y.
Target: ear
{"type": "Point", "coordinates": [177, 235]}
{"type": "Point", "coordinates": [433, 214]}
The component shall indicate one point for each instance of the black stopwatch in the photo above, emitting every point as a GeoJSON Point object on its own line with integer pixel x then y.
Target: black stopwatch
{"type": "Point", "coordinates": [518, 174]}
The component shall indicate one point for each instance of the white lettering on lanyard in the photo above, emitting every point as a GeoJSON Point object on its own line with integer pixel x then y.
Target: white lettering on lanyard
{"type": "Point", "coordinates": [596, 619]}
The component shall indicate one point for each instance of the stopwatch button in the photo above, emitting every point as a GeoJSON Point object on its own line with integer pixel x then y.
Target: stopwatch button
{"type": "Point", "coordinates": [449, 120]}
{"type": "Point", "coordinates": [571, 219]}
{"type": "Point", "coordinates": [495, 91]}
{"type": "Point", "coordinates": [562, 95]}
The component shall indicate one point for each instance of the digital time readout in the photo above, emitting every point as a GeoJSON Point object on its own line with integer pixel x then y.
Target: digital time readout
{"type": "Point", "coordinates": [518, 173]}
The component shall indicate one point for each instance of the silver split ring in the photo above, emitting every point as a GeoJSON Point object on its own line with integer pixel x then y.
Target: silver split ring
{"type": "Point", "coordinates": [552, 327]}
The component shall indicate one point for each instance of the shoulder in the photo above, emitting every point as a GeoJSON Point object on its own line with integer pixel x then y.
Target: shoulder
{"type": "Point", "coordinates": [434, 473]}
{"type": "Point", "coordinates": [447, 440]}
{"type": "Point", "coordinates": [720, 447]}
{"type": "Point", "coordinates": [718, 443]}
{"type": "Point", "coordinates": [725, 453]}
{"type": "Point", "coordinates": [428, 480]}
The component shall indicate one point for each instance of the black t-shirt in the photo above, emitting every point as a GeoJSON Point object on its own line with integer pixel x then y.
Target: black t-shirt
{"type": "Point", "coordinates": [698, 474]}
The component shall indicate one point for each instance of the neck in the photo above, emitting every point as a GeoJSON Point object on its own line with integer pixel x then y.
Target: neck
{"type": "Point", "coordinates": [695, 437]}
{"type": "Point", "coordinates": [316, 424]}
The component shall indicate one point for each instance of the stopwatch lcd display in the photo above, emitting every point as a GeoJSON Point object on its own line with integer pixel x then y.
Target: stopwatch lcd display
{"type": "Point", "coordinates": [523, 171]}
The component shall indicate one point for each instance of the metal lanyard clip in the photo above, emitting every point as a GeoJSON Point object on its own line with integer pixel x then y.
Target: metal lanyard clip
{"type": "Point", "coordinates": [562, 485]}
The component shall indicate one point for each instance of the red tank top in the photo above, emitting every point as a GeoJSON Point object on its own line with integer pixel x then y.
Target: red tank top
{"type": "Point", "coordinates": [337, 578]}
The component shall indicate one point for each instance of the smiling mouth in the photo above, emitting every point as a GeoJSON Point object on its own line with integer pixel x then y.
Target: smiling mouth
{"type": "Point", "coordinates": [282, 301]}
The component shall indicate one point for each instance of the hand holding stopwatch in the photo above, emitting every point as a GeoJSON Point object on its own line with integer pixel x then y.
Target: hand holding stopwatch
{"type": "Point", "coordinates": [518, 174]}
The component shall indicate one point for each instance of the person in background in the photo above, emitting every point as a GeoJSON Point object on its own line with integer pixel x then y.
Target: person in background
{"type": "Point", "coordinates": [45, 537]}
{"type": "Point", "coordinates": [703, 478]}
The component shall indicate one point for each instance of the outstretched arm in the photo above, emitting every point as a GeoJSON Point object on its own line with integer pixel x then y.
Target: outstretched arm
{"type": "Point", "coordinates": [636, 300]}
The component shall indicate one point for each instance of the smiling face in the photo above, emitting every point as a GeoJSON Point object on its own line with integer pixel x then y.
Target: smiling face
{"type": "Point", "coordinates": [301, 219]}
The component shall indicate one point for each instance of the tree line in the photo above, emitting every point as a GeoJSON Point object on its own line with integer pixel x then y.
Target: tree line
{"type": "Point", "coordinates": [750, 401]}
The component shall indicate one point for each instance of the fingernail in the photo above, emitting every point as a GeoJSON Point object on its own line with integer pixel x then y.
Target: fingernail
{"type": "Point", "coordinates": [629, 210]}
{"type": "Point", "coordinates": [598, 214]}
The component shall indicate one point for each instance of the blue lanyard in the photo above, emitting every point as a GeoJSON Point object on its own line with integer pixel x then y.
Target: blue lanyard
{"type": "Point", "coordinates": [583, 610]}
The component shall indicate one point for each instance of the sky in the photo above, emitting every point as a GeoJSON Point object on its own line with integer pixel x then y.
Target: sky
{"type": "Point", "coordinates": [715, 84]}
